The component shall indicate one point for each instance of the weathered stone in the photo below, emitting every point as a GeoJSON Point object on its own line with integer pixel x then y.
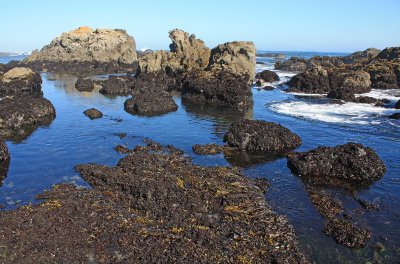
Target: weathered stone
{"type": "Point", "coordinates": [19, 81]}
{"type": "Point", "coordinates": [267, 76]}
{"type": "Point", "coordinates": [84, 85]}
{"type": "Point", "coordinates": [315, 80]}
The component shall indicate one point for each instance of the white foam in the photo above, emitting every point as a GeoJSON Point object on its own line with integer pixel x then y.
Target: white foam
{"type": "Point", "coordinates": [351, 113]}
{"type": "Point", "coordinates": [392, 95]}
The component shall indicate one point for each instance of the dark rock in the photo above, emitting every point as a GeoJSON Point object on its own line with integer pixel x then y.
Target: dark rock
{"type": "Point", "coordinates": [369, 100]}
{"type": "Point", "coordinates": [342, 94]}
{"type": "Point", "coordinates": [260, 62]}
{"type": "Point", "coordinates": [150, 104]}
{"type": "Point", "coordinates": [20, 81]}
{"type": "Point", "coordinates": [117, 85]}
{"type": "Point", "coordinates": [157, 82]}
{"type": "Point", "coordinates": [352, 163]}
{"type": "Point", "coordinates": [315, 80]}
{"type": "Point", "coordinates": [361, 56]}
{"type": "Point", "coordinates": [383, 76]}
{"type": "Point", "coordinates": [397, 106]}
{"type": "Point", "coordinates": [93, 113]}
{"type": "Point", "coordinates": [268, 88]}
{"type": "Point", "coordinates": [84, 85]}
{"type": "Point", "coordinates": [395, 116]}
{"type": "Point", "coordinates": [121, 135]}
{"type": "Point", "coordinates": [267, 76]}
{"type": "Point", "coordinates": [209, 149]}
{"type": "Point", "coordinates": [355, 81]}
{"type": "Point", "coordinates": [260, 83]}
{"type": "Point", "coordinates": [389, 54]}
{"type": "Point", "coordinates": [223, 88]}
{"type": "Point", "coordinates": [261, 136]}
{"type": "Point", "coordinates": [4, 160]}
{"type": "Point", "coordinates": [20, 116]}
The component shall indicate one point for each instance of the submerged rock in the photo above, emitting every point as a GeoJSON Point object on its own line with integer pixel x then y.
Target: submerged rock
{"type": "Point", "coordinates": [84, 85]}
{"type": "Point", "coordinates": [261, 136]}
{"type": "Point", "coordinates": [4, 160]}
{"type": "Point", "coordinates": [350, 163]}
{"type": "Point", "coordinates": [150, 104]}
{"type": "Point", "coordinates": [267, 76]}
{"type": "Point", "coordinates": [20, 116]}
{"type": "Point", "coordinates": [20, 80]}
{"type": "Point", "coordinates": [223, 88]}
{"type": "Point", "coordinates": [85, 50]}
{"type": "Point", "coordinates": [93, 113]}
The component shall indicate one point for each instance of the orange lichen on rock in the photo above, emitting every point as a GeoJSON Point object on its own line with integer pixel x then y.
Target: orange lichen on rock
{"type": "Point", "coordinates": [81, 30]}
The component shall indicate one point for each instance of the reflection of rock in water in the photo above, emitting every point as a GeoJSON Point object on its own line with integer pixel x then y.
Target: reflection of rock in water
{"type": "Point", "coordinates": [67, 82]}
{"type": "Point", "coordinates": [219, 115]}
{"type": "Point", "coordinates": [246, 159]}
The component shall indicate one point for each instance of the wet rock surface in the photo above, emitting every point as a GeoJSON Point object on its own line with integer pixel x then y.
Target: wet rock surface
{"type": "Point", "coordinates": [20, 116]}
{"type": "Point", "coordinates": [93, 113]}
{"type": "Point", "coordinates": [261, 136]}
{"type": "Point", "coordinates": [222, 88]}
{"type": "Point", "coordinates": [349, 163]}
{"type": "Point", "coordinates": [315, 80]}
{"type": "Point", "coordinates": [4, 160]}
{"type": "Point", "coordinates": [155, 206]}
{"type": "Point", "coordinates": [84, 85]}
{"type": "Point", "coordinates": [150, 104]}
{"type": "Point", "coordinates": [395, 116]}
{"type": "Point", "coordinates": [20, 81]}
{"type": "Point", "coordinates": [397, 105]}
{"type": "Point", "coordinates": [267, 76]}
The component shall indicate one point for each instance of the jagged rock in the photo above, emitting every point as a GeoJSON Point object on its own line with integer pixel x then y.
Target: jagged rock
{"type": "Point", "coordinates": [4, 160]}
{"type": "Point", "coordinates": [93, 113]}
{"type": "Point", "coordinates": [315, 80]}
{"type": "Point", "coordinates": [267, 76]}
{"type": "Point", "coordinates": [221, 88]}
{"type": "Point", "coordinates": [20, 116]}
{"type": "Point", "coordinates": [85, 50]}
{"type": "Point", "coordinates": [351, 162]}
{"type": "Point", "coordinates": [150, 104]}
{"type": "Point", "coordinates": [238, 57]}
{"type": "Point", "coordinates": [20, 80]}
{"type": "Point", "coordinates": [84, 85]}
{"type": "Point", "coordinates": [361, 56]}
{"type": "Point", "coordinates": [261, 136]}
{"type": "Point", "coordinates": [392, 53]}
{"type": "Point", "coordinates": [383, 75]}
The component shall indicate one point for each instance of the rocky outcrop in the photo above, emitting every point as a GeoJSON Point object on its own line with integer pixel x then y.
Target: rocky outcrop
{"type": "Point", "coordinates": [20, 81]}
{"type": "Point", "coordinates": [20, 116]}
{"type": "Point", "coordinates": [222, 88]}
{"type": "Point", "coordinates": [150, 104]}
{"type": "Point", "coordinates": [350, 163]}
{"type": "Point", "coordinates": [238, 57]}
{"type": "Point", "coordinates": [117, 85]}
{"type": "Point", "coordinates": [348, 95]}
{"type": "Point", "coordinates": [390, 54]}
{"type": "Point", "coordinates": [93, 113]}
{"type": "Point", "coordinates": [383, 75]}
{"type": "Point", "coordinates": [314, 80]}
{"type": "Point", "coordinates": [4, 160]}
{"type": "Point", "coordinates": [361, 56]}
{"type": "Point", "coordinates": [261, 136]}
{"type": "Point", "coordinates": [85, 50]}
{"type": "Point", "coordinates": [84, 85]}
{"type": "Point", "coordinates": [267, 76]}
{"type": "Point", "coordinates": [320, 80]}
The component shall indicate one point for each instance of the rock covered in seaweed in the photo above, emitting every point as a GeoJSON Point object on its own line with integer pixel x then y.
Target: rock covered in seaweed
{"type": "Point", "coordinates": [84, 85]}
{"type": "Point", "coordinates": [20, 80]}
{"type": "Point", "coordinates": [93, 113]}
{"type": "Point", "coordinates": [4, 160]}
{"type": "Point", "coordinates": [350, 163]}
{"type": "Point", "coordinates": [267, 76]}
{"type": "Point", "coordinates": [261, 136]}
{"type": "Point", "coordinates": [150, 104]}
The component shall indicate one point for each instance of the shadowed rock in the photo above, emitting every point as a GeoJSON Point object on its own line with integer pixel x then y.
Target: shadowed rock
{"type": "Point", "coordinates": [150, 104]}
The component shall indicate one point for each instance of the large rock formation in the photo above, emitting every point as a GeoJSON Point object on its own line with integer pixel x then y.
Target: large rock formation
{"type": "Point", "coordinates": [237, 57]}
{"type": "Point", "coordinates": [350, 163]}
{"type": "Point", "coordinates": [88, 50]}
{"type": "Point", "coordinates": [261, 136]}
{"type": "Point", "coordinates": [19, 81]}
{"type": "Point", "coordinates": [314, 80]}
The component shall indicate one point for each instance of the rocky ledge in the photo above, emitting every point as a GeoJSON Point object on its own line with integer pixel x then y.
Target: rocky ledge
{"type": "Point", "coordinates": [154, 206]}
{"type": "Point", "coordinates": [85, 51]}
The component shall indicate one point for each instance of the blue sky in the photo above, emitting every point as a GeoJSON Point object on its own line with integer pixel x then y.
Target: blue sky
{"type": "Point", "coordinates": [308, 25]}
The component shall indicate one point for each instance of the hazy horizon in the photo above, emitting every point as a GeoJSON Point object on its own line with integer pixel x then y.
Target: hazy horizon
{"type": "Point", "coordinates": [315, 26]}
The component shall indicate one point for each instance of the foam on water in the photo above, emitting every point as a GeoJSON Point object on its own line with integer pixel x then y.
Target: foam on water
{"type": "Point", "coordinates": [392, 95]}
{"type": "Point", "coordinates": [350, 113]}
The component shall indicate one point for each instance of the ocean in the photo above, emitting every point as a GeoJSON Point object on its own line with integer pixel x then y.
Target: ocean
{"type": "Point", "coordinates": [49, 155]}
